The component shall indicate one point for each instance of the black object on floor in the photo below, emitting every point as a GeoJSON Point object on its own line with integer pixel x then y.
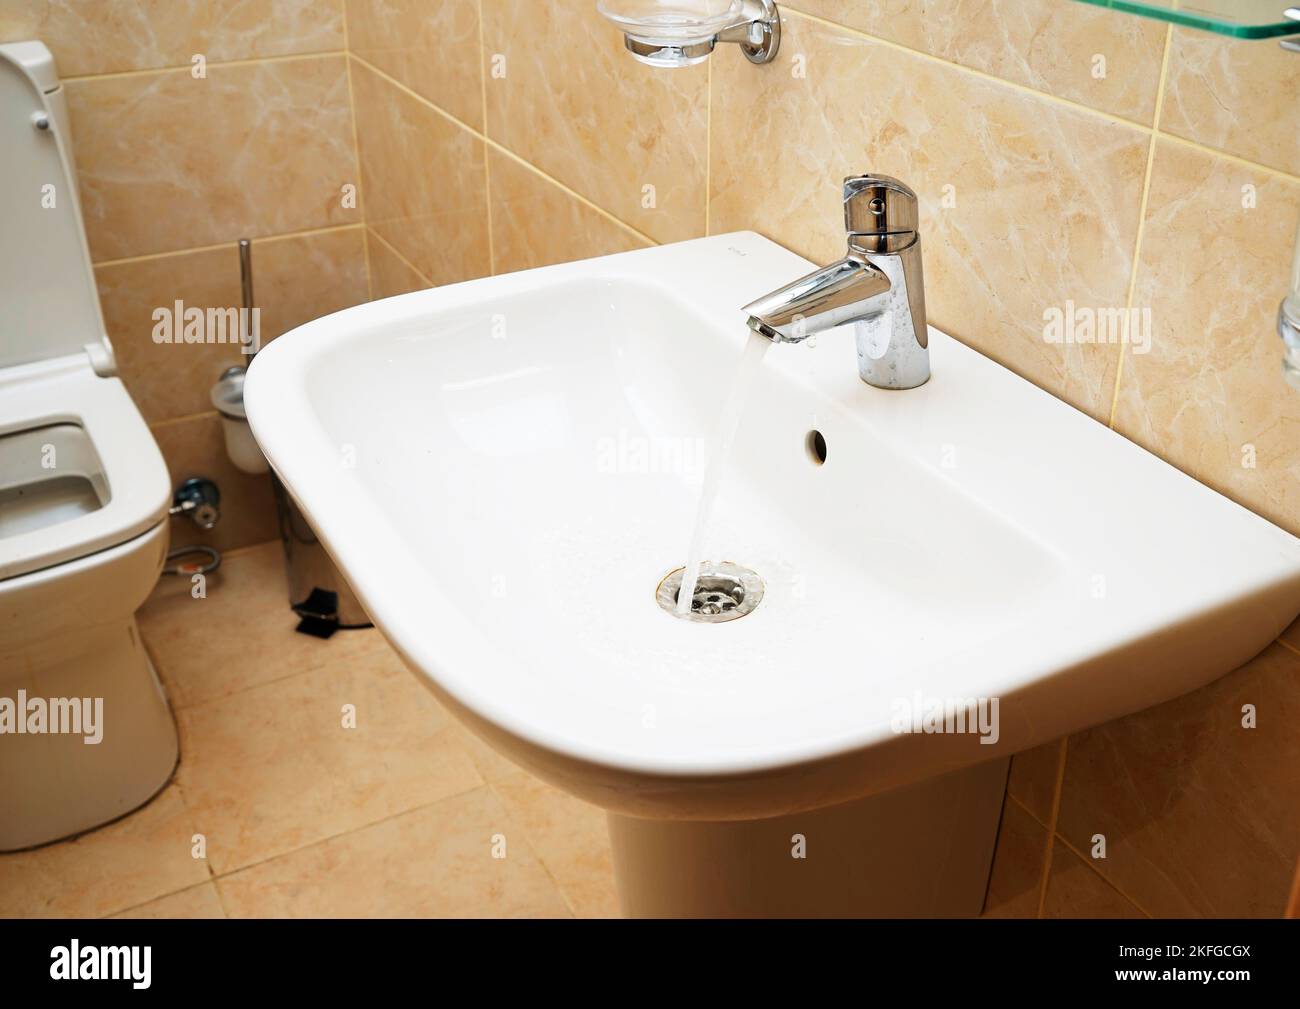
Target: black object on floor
{"type": "Point", "coordinates": [320, 614]}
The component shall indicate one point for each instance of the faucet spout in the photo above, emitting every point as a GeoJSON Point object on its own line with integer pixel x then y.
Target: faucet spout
{"type": "Point", "coordinates": [843, 292]}
{"type": "Point", "coordinates": [878, 286]}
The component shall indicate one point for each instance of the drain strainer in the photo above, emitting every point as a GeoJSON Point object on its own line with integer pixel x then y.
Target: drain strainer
{"type": "Point", "coordinates": [724, 591]}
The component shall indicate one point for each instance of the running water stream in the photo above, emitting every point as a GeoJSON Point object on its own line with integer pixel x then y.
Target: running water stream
{"type": "Point", "coordinates": [718, 450]}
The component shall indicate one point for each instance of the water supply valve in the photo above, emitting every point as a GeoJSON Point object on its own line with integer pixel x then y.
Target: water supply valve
{"type": "Point", "coordinates": [199, 498]}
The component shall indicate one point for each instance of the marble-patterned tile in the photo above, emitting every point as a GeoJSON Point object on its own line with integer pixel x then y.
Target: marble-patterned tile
{"type": "Point", "coordinates": [1076, 891]}
{"type": "Point", "coordinates": [278, 767]}
{"type": "Point", "coordinates": [390, 274]}
{"type": "Point", "coordinates": [1197, 809]}
{"type": "Point", "coordinates": [196, 446]}
{"type": "Point", "coordinates": [424, 181]}
{"type": "Point", "coordinates": [570, 837]}
{"type": "Point", "coordinates": [1100, 58]}
{"type": "Point", "coordinates": [1236, 96]}
{"type": "Point", "coordinates": [169, 162]}
{"type": "Point", "coordinates": [628, 137]}
{"type": "Point", "coordinates": [136, 859]}
{"type": "Point", "coordinates": [199, 901]}
{"type": "Point", "coordinates": [239, 633]}
{"type": "Point", "coordinates": [1209, 396]}
{"type": "Point", "coordinates": [1027, 205]}
{"type": "Point", "coordinates": [108, 36]}
{"type": "Point", "coordinates": [431, 48]}
{"type": "Point", "coordinates": [303, 277]}
{"type": "Point", "coordinates": [536, 223]}
{"type": "Point", "coordinates": [1017, 876]}
{"type": "Point", "coordinates": [1032, 779]}
{"type": "Point", "coordinates": [463, 857]}
{"type": "Point", "coordinates": [169, 379]}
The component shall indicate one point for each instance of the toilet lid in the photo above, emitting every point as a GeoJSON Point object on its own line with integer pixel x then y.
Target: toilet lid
{"type": "Point", "coordinates": [48, 304]}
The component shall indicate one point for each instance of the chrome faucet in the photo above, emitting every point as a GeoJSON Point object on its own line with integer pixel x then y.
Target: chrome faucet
{"type": "Point", "coordinates": [877, 286]}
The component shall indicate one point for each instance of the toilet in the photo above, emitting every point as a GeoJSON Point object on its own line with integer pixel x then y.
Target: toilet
{"type": "Point", "coordinates": [86, 733]}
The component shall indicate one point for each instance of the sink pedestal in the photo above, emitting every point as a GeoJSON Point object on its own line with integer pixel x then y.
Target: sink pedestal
{"type": "Point", "coordinates": [921, 851]}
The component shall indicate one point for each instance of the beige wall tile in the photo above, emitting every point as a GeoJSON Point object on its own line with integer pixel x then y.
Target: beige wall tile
{"type": "Point", "coordinates": [536, 223]}
{"type": "Point", "coordinates": [305, 277]}
{"type": "Point", "coordinates": [169, 162]}
{"type": "Point", "coordinates": [390, 274]}
{"type": "Point", "coordinates": [247, 598]}
{"type": "Point", "coordinates": [431, 863]}
{"type": "Point", "coordinates": [121, 865]}
{"type": "Point", "coordinates": [1075, 891]}
{"type": "Point", "coordinates": [431, 48]}
{"type": "Point", "coordinates": [195, 446]}
{"type": "Point", "coordinates": [1046, 197]}
{"type": "Point", "coordinates": [1043, 44]}
{"type": "Point", "coordinates": [1199, 813]}
{"type": "Point", "coordinates": [103, 36]}
{"type": "Point", "coordinates": [1211, 387]}
{"type": "Point", "coordinates": [1033, 778]}
{"type": "Point", "coordinates": [272, 769]}
{"type": "Point", "coordinates": [169, 380]}
{"type": "Point", "coordinates": [601, 123]}
{"type": "Point", "coordinates": [1017, 875]}
{"type": "Point", "coordinates": [1234, 95]}
{"type": "Point", "coordinates": [570, 837]}
{"type": "Point", "coordinates": [196, 902]}
{"type": "Point", "coordinates": [426, 192]}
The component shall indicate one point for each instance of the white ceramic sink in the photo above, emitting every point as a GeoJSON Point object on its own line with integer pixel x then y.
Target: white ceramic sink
{"type": "Point", "coordinates": [496, 466]}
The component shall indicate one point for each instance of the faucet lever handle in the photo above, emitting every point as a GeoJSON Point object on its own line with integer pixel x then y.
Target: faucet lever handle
{"type": "Point", "coordinates": [878, 205]}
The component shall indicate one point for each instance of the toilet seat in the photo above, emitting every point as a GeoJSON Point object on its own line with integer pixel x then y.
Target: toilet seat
{"type": "Point", "coordinates": [67, 390]}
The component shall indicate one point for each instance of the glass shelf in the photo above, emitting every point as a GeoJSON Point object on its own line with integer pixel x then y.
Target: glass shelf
{"type": "Point", "coordinates": [1243, 19]}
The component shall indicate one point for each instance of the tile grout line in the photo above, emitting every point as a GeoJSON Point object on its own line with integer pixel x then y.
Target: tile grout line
{"type": "Point", "coordinates": [409, 265]}
{"type": "Point", "coordinates": [1046, 95]}
{"type": "Point", "coordinates": [983, 75]}
{"type": "Point", "coordinates": [1054, 816]}
{"type": "Point", "coordinates": [1102, 876]}
{"type": "Point", "coordinates": [356, 148]}
{"type": "Point", "coordinates": [537, 854]}
{"type": "Point", "coordinates": [501, 148]}
{"type": "Point", "coordinates": [228, 244]}
{"type": "Point", "coordinates": [245, 61]}
{"type": "Point", "coordinates": [1141, 226]}
{"type": "Point", "coordinates": [218, 877]}
{"type": "Point", "coordinates": [487, 159]}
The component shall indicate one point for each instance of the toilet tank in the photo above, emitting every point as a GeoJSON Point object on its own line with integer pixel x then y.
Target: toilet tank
{"type": "Point", "coordinates": [48, 302]}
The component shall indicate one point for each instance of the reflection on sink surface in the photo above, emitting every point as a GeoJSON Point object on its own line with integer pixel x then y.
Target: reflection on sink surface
{"type": "Point", "coordinates": [507, 468]}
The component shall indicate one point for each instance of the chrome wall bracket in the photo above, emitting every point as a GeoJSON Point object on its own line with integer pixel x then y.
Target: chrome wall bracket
{"type": "Point", "coordinates": [682, 41]}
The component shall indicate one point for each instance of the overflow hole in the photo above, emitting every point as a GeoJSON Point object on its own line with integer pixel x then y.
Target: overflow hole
{"type": "Point", "coordinates": [816, 445]}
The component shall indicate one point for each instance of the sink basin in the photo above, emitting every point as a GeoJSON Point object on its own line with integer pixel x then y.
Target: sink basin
{"type": "Point", "coordinates": [506, 469]}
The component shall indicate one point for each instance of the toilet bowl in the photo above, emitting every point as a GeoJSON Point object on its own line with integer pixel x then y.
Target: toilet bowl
{"type": "Point", "coordinates": [86, 733]}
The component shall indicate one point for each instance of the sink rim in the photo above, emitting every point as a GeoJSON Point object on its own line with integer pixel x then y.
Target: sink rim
{"type": "Point", "coordinates": [281, 368]}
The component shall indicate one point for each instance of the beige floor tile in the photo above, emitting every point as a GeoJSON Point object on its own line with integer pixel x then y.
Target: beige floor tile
{"type": "Point", "coordinates": [273, 769]}
{"type": "Point", "coordinates": [137, 859]}
{"type": "Point", "coordinates": [197, 902]}
{"type": "Point", "coordinates": [1197, 808]}
{"type": "Point", "coordinates": [1033, 778]}
{"type": "Point", "coordinates": [572, 839]}
{"type": "Point", "coordinates": [1075, 891]}
{"type": "Point", "coordinates": [241, 634]}
{"type": "Point", "coordinates": [434, 862]}
{"type": "Point", "coordinates": [1017, 865]}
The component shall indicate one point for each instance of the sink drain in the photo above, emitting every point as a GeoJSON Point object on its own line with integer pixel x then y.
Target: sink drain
{"type": "Point", "coordinates": [724, 591]}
